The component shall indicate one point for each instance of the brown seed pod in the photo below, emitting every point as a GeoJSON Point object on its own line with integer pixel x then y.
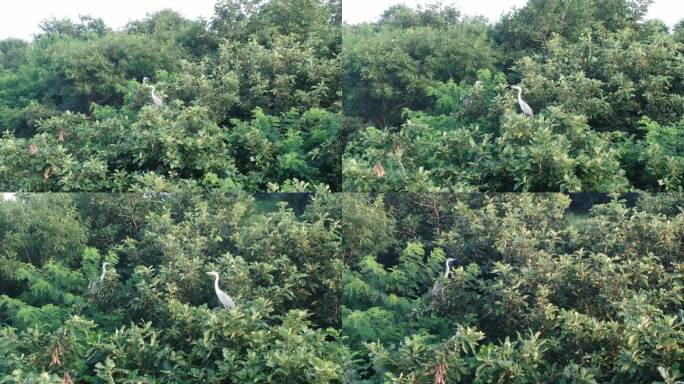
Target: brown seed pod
{"type": "Point", "coordinates": [33, 149]}
{"type": "Point", "coordinates": [55, 357]}
{"type": "Point", "coordinates": [398, 152]}
{"type": "Point", "coordinates": [440, 374]}
{"type": "Point", "coordinates": [67, 379]}
{"type": "Point", "coordinates": [61, 135]}
{"type": "Point", "coordinates": [379, 170]}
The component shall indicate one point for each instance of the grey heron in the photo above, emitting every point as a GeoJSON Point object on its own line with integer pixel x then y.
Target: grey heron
{"type": "Point", "coordinates": [94, 285]}
{"type": "Point", "coordinates": [523, 105]}
{"type": "Point", "coordinates": [469, 100]}
{"type": "Point", "coordinates": [155, 99]}
{"type": "Point", "coordinates": [226, 300]}
{"type": "Point", "coordinates": [439, 284]}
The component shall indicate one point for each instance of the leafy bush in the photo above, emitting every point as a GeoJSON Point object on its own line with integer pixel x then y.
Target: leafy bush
{"type": "Point", "coordinates": [153, 317]}
{"type": "Point", "coordinates": [537, 293]}
{"type": "Point", "coordinates": [257, 112]}
{"type": "Point", "coordinates": [175, 147]}
{"type": "Point", "coordinates": [431, 108]}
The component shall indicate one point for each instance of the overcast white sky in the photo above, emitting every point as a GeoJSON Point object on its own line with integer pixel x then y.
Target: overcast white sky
{"type": "Point", "coordinates": [355, 11]}
{"type": "Point", "coordinates": [20, 18]}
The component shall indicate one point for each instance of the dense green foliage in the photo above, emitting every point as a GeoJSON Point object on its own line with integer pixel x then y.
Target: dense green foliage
{"type": "Point", "coordinates": [345, 288]}
{"type": "Point", "coordinates": [252, 102]}
{"type": "Point", "coordinates": [339, 288]}
{"type": "Point", "coordinates": [155, 318]}
{"type": "Point", "coordinates": [606, 86]}
{"type": "Point", "coordinates": [539, 292]}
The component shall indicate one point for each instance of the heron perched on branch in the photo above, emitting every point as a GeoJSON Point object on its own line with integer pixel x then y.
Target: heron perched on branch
{"type": "Point", "coordinates": [94, 285]}
{"type": "Point", "coordinates": [226, 300]}
{"type": "Point", "coordinates": [439, 284]}
{"type": "Point", "coordinates": [155, 99]}
{"type": "Point", "coordinates": [469, 100]}
{"type": "Point", "coordinates": [523, 105]}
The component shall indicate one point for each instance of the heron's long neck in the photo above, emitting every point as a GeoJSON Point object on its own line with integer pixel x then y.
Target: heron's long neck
{"type": "Point", "coordinates": [216, 283]}
{"type": "Point", "coordinates": [446, 272]}
{"type": "Point", "coordinates": [154, 89]}
{"type": "Point", "coordinates": [103, 271]}
{"type": "Point", "coordinates": [519, 94]}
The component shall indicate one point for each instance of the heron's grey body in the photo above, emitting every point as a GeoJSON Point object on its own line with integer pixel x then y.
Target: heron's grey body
{"type": "Point", "coordinates": [155, 99]}
{"type": "Point", "coordinates": [226, 300]}
{"type": "Point", "coordinates": [523, 105]}
{"type": "Point", "coordinates": [439, 284]}
{"type": "Point", "coordinates": [469, 100]}
{"type": "Point", "coordinates": [94, 285]}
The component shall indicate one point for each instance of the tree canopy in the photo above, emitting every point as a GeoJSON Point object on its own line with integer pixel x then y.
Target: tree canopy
{"type": "Point", "coordinates": [252, 102]}
{"type": "Point", "coordinates": [543, 288]}
{"type": "Point", "coordinates": [155, 317]}
{"type": "Point", "coordinates": [428, 99]}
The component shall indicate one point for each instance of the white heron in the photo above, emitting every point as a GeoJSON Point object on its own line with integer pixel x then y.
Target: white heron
{"type": "Point", "coordinates": [439, 284]}
{"type": "Point", "coordinates": [523, 105]}
{"type": "Point", "coordinates": [226, 300]}
{"type": "Point", "coordinates": [94, 285]}
{"type": "Point", "coordinates": [155, 99]}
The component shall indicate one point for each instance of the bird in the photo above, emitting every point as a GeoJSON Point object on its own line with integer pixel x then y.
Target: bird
{"type": "Point", "coordinates": [155, 99]}
{"type": "Point", "coordinates": [523, 105]}
{"type": "Point", "coordinates": [469, 100]}
{"type": "Point", "coordinates": [226, 300]}
{"type": "Point", "coordinates": [439, 284]}
{"type": "Point", "coordinates": [94, 285]}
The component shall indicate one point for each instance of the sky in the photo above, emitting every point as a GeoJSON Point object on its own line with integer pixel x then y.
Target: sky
{"type": "Point", "coordinates": [355, 11]}
{"type": "Point", "coordinates": [20, 18]}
